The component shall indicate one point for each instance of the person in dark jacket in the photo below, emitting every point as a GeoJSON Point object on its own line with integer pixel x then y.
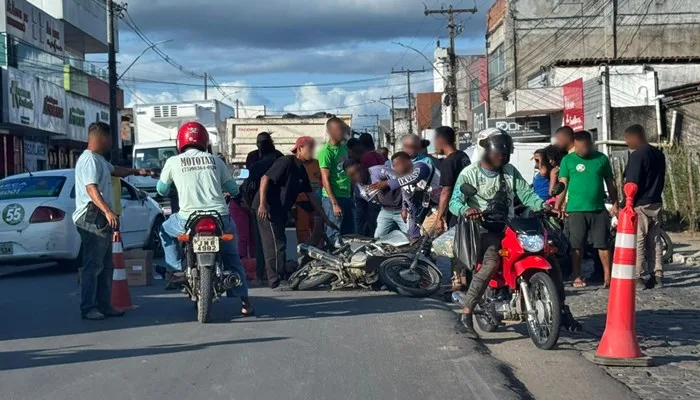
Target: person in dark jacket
{"type": "Point", "coordinates": [266, 148]}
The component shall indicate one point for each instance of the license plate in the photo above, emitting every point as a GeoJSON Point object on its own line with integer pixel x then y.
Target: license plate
{"type": "Point", "coordinates": [6, 249]}
{"type": "Point", "coordinates": [205, 244]}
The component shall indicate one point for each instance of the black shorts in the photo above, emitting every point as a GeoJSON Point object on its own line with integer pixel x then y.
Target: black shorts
{"type": "Point", "coordinates": [580, 227]}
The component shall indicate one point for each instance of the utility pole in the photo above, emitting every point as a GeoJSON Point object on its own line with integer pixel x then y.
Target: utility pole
{"type": "Point", "coordinates": [408, 73]}
{"type": "Point", "coordinates": [205, 85]}
{"type": "Point", "coordinates": [113, 12]}
{"type": "Point", "coordinates": [379, 137]}
{"type": "Point", "coordinates": [453, 28]}
{"type": "Point", "coordinates": [392, 139]}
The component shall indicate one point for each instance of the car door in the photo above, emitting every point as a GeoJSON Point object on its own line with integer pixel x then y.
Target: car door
{"type": "Point", "coordinates": [135, 218]}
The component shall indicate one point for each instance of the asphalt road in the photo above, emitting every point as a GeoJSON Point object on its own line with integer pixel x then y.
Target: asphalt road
{"type": "Point", "coordinates": [312, 345]}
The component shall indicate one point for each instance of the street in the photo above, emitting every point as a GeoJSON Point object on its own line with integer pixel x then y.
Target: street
{"type": "Point", "coordinates": [302, 345]}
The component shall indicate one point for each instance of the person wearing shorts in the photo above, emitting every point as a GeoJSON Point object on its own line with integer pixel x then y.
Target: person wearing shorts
{"type": "Point", "coordinates": [586, 172]}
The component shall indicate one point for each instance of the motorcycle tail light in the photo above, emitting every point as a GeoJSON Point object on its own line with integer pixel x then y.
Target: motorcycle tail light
{"type": "Point", "coordinates": [205, 225]}
{"type": "Point", "coordinates": [46, 214]}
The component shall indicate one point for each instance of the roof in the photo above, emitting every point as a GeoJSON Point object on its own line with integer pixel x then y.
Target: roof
{"type": "Point", "coordinates": [591, 62]}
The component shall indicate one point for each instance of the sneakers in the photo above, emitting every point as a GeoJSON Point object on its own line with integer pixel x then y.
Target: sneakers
{"type": "Point", "coordinates": [659, 281]}
{"type": "Point", "coordinates": [112, 312]}
{"type": "Point", "coordinates": [93, 315]}
{"type": "Point", "coordinates": [465, 326]}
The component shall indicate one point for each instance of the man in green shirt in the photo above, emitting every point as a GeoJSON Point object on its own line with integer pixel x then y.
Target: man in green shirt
{"type": "Point", "coordinates": [584, 172]}
{"type": "Point", "coordinates": [336, 193]}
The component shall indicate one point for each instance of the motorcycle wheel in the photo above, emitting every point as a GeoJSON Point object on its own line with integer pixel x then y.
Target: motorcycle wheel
{"type": "Point", "coordinates": [427, 284]}
{"type": "Point", "coordinates": [485, 322]}
{"type": "Point", "coordinates": [206, 294]}
{"type": "Point", "coordinates": [666, 248]}
{"type": "Point", "coordinates": [544, 329]}
{"type": "Point", "coordinates": [306, 278]}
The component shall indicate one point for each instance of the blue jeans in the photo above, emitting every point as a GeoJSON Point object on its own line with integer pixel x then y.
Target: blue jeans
{"type": "Point", "coordinates": [175, 226]}
{"type": "Point", "coordinates": [389, 221]}
{"type": "Point", "coordinates": [96, 286]}
{"type": "Point", "coordinates": [346, 222]}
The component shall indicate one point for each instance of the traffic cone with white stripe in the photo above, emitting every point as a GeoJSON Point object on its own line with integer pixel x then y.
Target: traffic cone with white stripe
{"type": "Point", "coordinates": [619, 346]}
{"type": "Point", "coordinates": [121, 298]}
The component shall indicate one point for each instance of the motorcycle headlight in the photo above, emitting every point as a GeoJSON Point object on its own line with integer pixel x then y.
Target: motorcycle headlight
{"type": "Point", "coordinates": [531, 243]}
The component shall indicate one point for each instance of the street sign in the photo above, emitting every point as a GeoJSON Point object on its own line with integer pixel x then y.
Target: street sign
{"type": "Point", "coordinates": [479, 116]}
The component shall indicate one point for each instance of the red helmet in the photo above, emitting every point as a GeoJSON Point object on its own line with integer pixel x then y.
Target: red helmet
{"type": "Point", "coordinates": [192, 134]}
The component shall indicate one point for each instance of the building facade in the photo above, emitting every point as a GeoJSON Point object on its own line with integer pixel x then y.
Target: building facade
{"type": "Point", "coordinates": [49, 93]}
{"type": "Point", "coordinates": [598, 65]}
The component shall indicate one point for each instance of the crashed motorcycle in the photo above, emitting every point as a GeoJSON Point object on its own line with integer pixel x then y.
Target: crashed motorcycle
{"type": "Point", "coordinates": [206, 281]}
{"type": "Point", "coordinates": [363, 262]}
{"type": "Point", "coordinates": [522, 290]}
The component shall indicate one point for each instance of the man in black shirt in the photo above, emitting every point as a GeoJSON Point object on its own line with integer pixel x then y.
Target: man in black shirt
{"type": "Point", "coordinates": [647, 168]}
{"type": "Point", "coordinates": [266, 148]}
{"type": "Point", "coordinates": [450, 167]}
{"type": "Point", "coordinates": [279, 188]}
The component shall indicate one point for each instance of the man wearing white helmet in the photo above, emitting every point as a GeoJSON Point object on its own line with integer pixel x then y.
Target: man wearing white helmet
{"type": "Point", "coordinates": [493, 177]}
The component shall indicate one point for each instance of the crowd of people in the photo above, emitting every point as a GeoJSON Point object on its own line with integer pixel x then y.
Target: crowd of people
{"type": "Point", "coordinates": [347, 186]}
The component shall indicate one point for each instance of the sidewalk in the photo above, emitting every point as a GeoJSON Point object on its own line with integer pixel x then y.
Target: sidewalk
{"type": "Point", "coordinates": [668, 328]}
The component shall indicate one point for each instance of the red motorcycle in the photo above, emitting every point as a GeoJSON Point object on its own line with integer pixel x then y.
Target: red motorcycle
{"type": "Point", "coordinates": [523, 289]}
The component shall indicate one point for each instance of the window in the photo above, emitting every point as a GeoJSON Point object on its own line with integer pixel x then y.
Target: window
{"type": "Point", "coordinates": [154, 157]}
{"type": "Point", "coordinates": [128, 192]}
{"type": "Point", "coordinates": [31, 187]}
{"type": "Point", "coordinates": [28, 58]}
{"type": "Point", "coordinates": [474, 94]}
{"type": "Point", "coordinates": [497, 65]}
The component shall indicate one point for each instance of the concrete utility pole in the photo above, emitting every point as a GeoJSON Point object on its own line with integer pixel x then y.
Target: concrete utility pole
{"type": "Point", "coordinates": [392, 140]}
{"type": "Point", "coordinates": [113, 12]}
{"type": "Point", "coordinates": [408, 73]}
{"type": "Point", "coordinates": [379, 137]}
{"type": "Point", "coordinates": [452, 87]}
{"type": "Point", "coordinates": [205, 85]}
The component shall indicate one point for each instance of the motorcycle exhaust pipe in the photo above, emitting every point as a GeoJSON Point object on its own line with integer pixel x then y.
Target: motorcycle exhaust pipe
{"type": "Point", "coordinates": [318, 254]}
{"type": "Point", "coordinates": [231, 281]}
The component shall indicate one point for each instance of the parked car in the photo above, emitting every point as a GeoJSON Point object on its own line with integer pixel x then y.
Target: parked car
{"type": "Point", "coordinates": [37, 224]}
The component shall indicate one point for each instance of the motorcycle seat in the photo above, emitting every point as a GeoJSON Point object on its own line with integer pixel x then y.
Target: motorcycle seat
{"type": "Point", "coordinates": [352, 238]}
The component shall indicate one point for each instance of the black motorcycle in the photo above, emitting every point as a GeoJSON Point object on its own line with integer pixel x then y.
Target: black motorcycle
{"type": "Point", "coordinates": [205, 278]}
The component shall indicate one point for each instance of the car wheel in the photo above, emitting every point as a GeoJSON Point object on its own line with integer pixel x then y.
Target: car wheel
{"type": "Point", "coordinates": [154, 243]}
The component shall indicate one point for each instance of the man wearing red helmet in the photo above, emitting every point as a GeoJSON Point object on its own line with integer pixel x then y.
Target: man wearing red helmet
{"type": "Point", "coordinates": [201, 180]}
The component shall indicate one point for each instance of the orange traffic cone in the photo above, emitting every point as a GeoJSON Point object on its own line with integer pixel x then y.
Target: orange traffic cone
{"type": "Point", "coordinates": [121, 298]}
{"type": "Point", "coordinates": [619, 346]}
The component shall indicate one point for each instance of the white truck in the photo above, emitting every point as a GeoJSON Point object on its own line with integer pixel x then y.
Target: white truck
{"type": "Point", "coordinates": [155, 131]}
{"type": "Point", "coordinates": [241, 133]}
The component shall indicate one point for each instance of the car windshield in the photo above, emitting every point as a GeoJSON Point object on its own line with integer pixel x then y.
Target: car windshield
{"type": "Point", "coordinates": [30, 187]}
{"type": "Point", "coordinates": [153, 158]}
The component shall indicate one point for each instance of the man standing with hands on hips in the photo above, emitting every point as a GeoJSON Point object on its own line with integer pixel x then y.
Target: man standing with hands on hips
{"type": "Point", "coordinates": [96, 221]}
{"type": "Point", "coordinates": [336, 201]}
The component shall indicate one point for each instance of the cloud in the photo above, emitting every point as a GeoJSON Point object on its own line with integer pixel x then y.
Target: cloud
{"type": "Point", "coordinates": [286, 24]}
{"type": "Point", "coordinates": [245, 96]}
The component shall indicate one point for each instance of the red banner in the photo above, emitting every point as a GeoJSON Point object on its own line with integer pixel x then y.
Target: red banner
{"type": "Point", "coordinates": [573, 104]}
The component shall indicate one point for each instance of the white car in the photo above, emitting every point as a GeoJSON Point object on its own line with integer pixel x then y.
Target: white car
{"type": "Point", "coordinates": [36, 222]}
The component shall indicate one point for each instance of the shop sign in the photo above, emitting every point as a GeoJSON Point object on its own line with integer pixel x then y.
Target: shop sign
{"type": "Point", "coordinates": [21, 98]}
{"type": "Point", "coordinates": [78, 117]}
{"type": "Point", "coordinates": [524, 127]}
{"type": "Point", "coordinates": [35, 153]}
{"type": "Point", "coordinates": [52, 116]}
{"type": "Point", "coordinates": [479, 118]}
{"type": "Point", "coordinates": [31, 25]}
{"type": "Point", "coordinates": [573, 105]}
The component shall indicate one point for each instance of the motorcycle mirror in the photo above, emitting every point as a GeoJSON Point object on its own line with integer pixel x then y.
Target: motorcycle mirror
{"type": "Point", "coordinates": [241, 174]}
{"type": "Point", "coordinates": [558, 189]}
{"type": "Point", "coordinates": [467, 190]}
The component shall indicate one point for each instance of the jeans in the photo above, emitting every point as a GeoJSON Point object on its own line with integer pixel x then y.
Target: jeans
{"type": "Point", "coordinates": [175, 226]}
{"type": "Point", "coordinates": [96, 288]}
{"type": "Point", "coordinates": [649, 241]}
{"type": "Point", "coordinates": [346, 222]}
{"type": "Point", "coordinates": [490, 262]}
{"type": "Point", "coordinates": [389, 221]}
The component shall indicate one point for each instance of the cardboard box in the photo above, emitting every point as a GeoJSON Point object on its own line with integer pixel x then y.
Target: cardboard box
{"type": "Point", "coordinates": [139, 267]}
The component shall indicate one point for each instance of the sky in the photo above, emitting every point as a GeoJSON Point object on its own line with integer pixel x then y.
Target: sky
{"type": "Point", "coordinates": [341, 51]}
